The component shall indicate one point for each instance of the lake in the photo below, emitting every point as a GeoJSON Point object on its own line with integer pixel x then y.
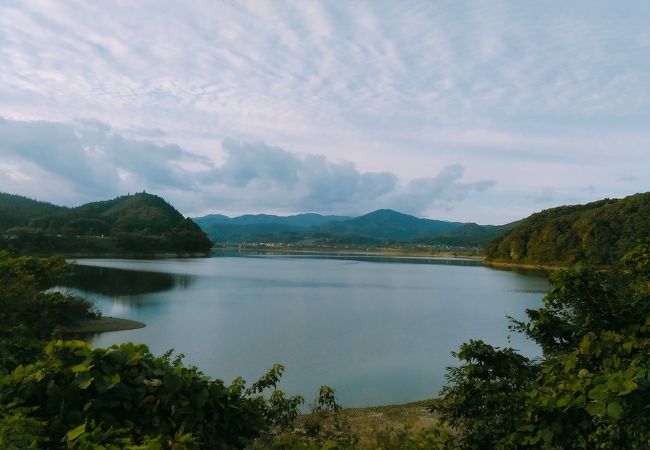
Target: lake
{"type": "Point", "coordinates": [378, 330]}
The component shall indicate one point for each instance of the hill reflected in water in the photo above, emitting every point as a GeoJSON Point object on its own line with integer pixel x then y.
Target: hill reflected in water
{"type": "Point", "coordinates": [120, 282]}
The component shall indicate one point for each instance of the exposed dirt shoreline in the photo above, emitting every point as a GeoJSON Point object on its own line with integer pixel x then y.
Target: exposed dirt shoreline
{"type": "Point", "coordinates": [410, 252]}
{"type": "Point", "coordinates": [542, 267]}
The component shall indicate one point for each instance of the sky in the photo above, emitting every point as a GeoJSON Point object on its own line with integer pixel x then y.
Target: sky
{"type": "Point", "coordinates": [478, 111]}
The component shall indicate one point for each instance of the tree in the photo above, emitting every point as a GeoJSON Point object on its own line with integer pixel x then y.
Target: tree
{"type": "Point", "coordinates": [29, 314]}
{"type": "Point", "coordinates": [592, 387]}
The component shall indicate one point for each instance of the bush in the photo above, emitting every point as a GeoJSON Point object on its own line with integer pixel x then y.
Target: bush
{"type": "Point", "coordinates": [78, 391]}
{"type": "Point", "coordinates": [29, 315]}
{"type": "Point", "coordinates": [591, 389]}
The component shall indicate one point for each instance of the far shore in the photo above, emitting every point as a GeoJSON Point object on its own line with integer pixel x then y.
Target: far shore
{"type": "Point", "coordinates": [386, 252]}
{"type": "Point", "coordinates": [351, 251]}
{"type": "Point", "coordinates": [103, 325]}
{"type": "Point", "coordinates": [407, 252]}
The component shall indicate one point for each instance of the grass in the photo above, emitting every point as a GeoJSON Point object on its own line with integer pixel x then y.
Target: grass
{"type": "Point", "coordinates": [384, 426]}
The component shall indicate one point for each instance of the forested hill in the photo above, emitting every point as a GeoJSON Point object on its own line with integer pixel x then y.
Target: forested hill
{"type": "Point", "coordinates": [386, 224]}
{"type": "Point", "coordinates": [16, 210]}
{"type": "Point", "coordinates": [597, 233]}
{"type": "Point", "coordinates": [139, 223]}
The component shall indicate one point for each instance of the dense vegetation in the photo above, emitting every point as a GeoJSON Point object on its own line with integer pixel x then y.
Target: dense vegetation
{"type": "Point", "coordinates": [590, 390]}
{"type": "Point", "coordinates": [16, 210]}
{"type": "Point", "coordinates": [30, 314]}
{"type": "Point", "coordinates": [597, 233]}
{"type": "Point", "coordinates": [140, 223]}
{"type": "Point", "coordinates": [383, 227]}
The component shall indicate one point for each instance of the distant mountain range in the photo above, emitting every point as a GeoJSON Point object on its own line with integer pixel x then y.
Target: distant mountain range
{"type": "Point", "coordinates": [139, 223]}
{"type": "Point", "coordinates": [597, 233]}
{"type": "Point", "coordinates": [376, 228]}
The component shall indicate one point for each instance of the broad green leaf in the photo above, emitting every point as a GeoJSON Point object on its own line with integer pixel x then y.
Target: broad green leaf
{"type": "Point", "coordinates": [134, 358]}
{"type": "Point", "coordinates": [81, 367]}
{"type": "Point", "coordinates": [599, 393]}
{"type": "Point", "coordinates": [85, 384]}
{"type": "Point", "coordinates": [595, 408]}
{"type": "Point", "coordinates": [615, 410]}
{"type": "Point", "coordinates": [628, 386]}
{"type": "Point", "coordinates": [76, 432]}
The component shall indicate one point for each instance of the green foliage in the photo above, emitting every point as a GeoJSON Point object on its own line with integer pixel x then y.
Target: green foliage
{"type": "Point", "coordinates": [29, 315]}
{"type": "Point", "coordinates": [78, 390]}
{"type": "Point", "coordinates": [598, 233]}
{"type": "Point", "coordinates": [584, 300]}
{"type": "Point", "coordinates": [19, 430]}
{"type": "Point", "coordinates": [486, 393]}
{"type": "Point", "coordinates": [592, 388]}
{"type": "Point", "coordinates": [16, 210]}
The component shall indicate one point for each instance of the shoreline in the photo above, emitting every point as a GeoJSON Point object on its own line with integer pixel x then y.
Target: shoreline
{"type": "Point", "coordinates": [507, 265]}
{"type": "Point", "coordinates": [347, 251]}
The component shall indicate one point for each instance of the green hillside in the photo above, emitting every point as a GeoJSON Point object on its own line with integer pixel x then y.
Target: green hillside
{"type": "Point", "coordinates": [386, 224]}
{"type": "Point", "coordinates": [139, 223]}
{"type": "Point", "coordinates": [597, 233]}
{"type": "Point", "coordinates": [16, 210]}
{"type": "Point", "coordinates": [471, 235]}
{"type": "Point", "coordinates": [297, 220]}
{"type": "Point", "coordinates": [262, 227]}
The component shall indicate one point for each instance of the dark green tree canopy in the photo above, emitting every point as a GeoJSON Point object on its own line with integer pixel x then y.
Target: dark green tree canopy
{"type": "Point", "coordinates": [597, 233]}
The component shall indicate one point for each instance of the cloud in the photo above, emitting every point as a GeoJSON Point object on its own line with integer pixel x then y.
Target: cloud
{"type": "Point", "coordinates": [93, 160]}
{"type": "Point", "coordinates": [441, 191]}
{"type": "Point", "coordinates": [255, 162]}
{"type": "Point", "coordinates": [532, 95]}
{"type": "Point", "coordinates": [96, 162]}
{"type": "Point", "coordinates": [271, 177]}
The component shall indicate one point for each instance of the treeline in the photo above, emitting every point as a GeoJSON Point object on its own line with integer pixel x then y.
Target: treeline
{"type": "Point", "coordinates": [597, 233]}
{"type": "Point", "coordinates": [140, 223]}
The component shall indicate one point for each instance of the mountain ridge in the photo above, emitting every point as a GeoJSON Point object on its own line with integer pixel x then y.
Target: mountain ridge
{"type": "Point", "coordinates": [373, 228]}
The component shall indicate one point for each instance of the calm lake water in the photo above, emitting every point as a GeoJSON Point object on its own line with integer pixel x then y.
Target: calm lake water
{"type": "Point", "coordinates": [379, 331]}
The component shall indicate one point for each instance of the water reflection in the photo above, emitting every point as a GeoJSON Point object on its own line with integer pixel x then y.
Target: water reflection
{"type": "Point", "coordinates": [119, 282]}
